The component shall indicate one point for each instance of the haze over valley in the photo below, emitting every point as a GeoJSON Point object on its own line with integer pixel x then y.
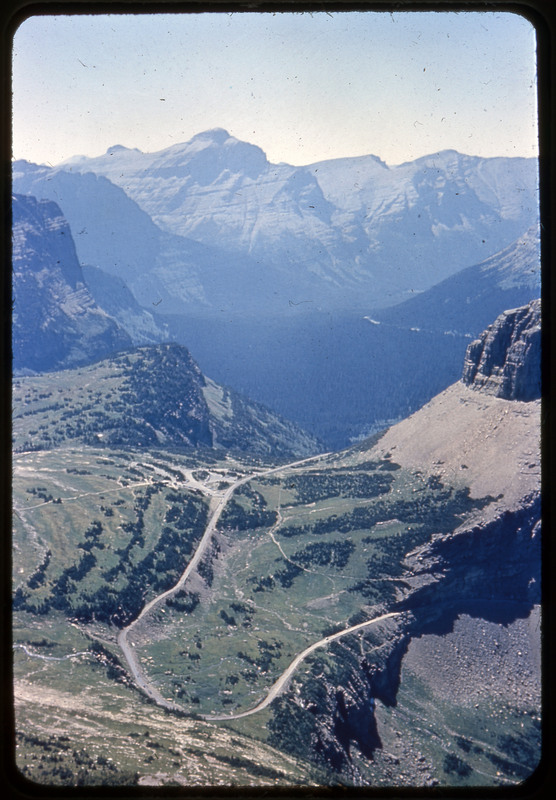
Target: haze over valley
{"type": "Point", "coordinates": [270, 274]}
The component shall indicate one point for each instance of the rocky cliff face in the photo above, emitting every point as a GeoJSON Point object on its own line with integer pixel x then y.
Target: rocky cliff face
{"type": "Point", "coordinates": [56, 322]}
{"type": "Point", "coordinates": [505, 360]}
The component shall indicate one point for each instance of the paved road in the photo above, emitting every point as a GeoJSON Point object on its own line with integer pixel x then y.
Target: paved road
{"type": "Point", "coordinates": [282, 681]}
{"type": "Point", "coordinates": [125, 646]}
{"type": "Point", "coordinates": [123, 642]}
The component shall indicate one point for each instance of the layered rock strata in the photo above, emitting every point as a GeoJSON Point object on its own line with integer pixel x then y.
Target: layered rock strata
{"type": "Point", "coordinates": [505, 360]}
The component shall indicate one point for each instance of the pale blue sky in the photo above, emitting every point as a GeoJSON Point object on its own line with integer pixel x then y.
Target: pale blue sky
{"type": "Point", "coordinates": [304, 87]}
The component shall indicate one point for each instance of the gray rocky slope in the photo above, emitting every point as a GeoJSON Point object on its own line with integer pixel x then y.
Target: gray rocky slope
{"type": "Point", "coordinates": [470, 629]}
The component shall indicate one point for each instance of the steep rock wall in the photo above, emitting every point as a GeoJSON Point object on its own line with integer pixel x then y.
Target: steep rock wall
{"type": "Point", "coordinates": [505, 360]}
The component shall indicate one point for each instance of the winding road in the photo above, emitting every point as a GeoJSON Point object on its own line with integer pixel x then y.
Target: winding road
{"type": "Point", "coordinates": [127, 647]}
{"type": "Point", "coordinates": [282, 681]}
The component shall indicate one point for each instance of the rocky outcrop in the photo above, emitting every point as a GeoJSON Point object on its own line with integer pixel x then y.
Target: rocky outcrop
{"type": "Point", "coordinates": [505, 361]}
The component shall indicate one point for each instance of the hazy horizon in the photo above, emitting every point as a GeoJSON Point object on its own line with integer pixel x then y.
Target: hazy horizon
{"type": "Point", "coordinates": [303, 87]}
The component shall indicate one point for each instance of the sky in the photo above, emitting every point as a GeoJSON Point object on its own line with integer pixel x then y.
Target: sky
{"type": "Point", "coordinates": [303, 87]}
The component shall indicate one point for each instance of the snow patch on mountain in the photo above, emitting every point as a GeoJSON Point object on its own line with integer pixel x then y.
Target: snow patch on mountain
{"type": "Point", "coordinates": [356, 223]}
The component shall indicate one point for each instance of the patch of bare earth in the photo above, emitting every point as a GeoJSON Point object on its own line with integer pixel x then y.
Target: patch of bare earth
{"type": "Point", "coordinates": [490, 444]}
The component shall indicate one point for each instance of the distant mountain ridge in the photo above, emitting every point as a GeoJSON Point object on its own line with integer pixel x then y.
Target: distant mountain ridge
{"type": "Point", "coordinates": [337, 234]}
{"type": "Point", "coordinates": [468, 301]}
{"type": "Point", "coordinates": [180, 275]}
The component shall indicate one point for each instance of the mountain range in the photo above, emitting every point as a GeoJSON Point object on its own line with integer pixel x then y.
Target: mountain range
{"type": "Point", "coordinates": [271, 275]}
{"type": "Point", "coordinates": [338, 235]}
{"type": "Point", "coordinates": [305, 367]}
